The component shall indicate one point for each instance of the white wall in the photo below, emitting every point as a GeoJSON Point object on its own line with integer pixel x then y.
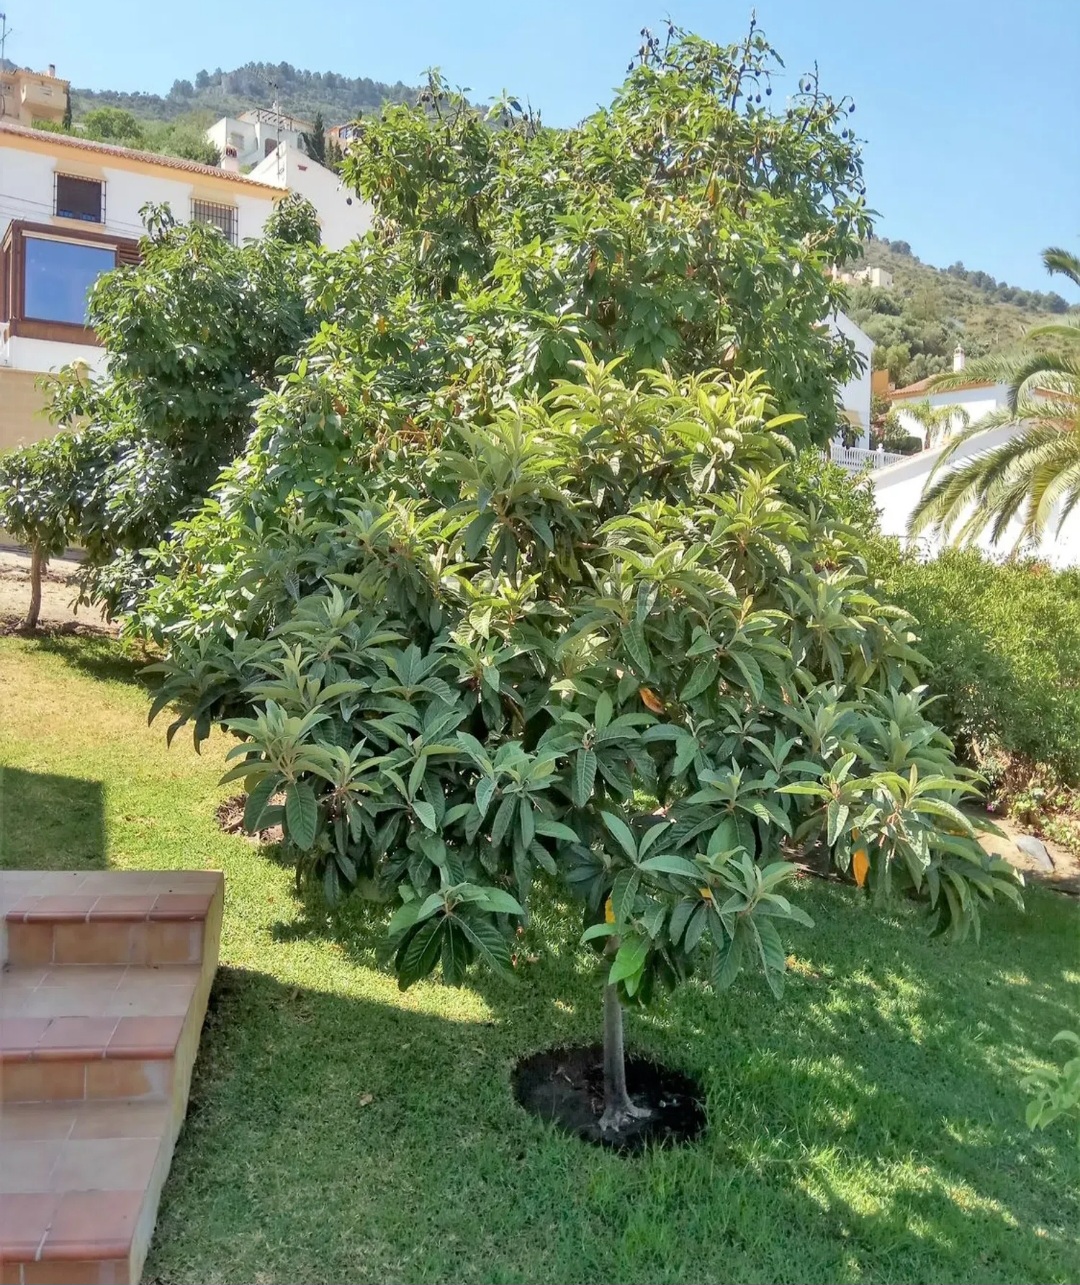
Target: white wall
{"type": "Point", "coordinates": [46, 355]}
{"type": "Point", "coordinates": [343, 216]}
{"type": "Point", "coordinates": [855, 394]}
{"type": "Point", "coordinates": [897, 489]}
{"type": "Point", "coordinates": [976, 401]}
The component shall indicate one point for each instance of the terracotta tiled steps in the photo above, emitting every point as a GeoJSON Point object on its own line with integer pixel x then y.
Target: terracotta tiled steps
{"type": "Point", "coordinates": [102, 998]}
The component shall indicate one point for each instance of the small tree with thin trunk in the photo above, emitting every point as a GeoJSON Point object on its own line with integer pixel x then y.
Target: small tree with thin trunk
{"type": "Point", "coordinates": [39, 487]}
{"type": "Point", "coordinates": [514, 592]}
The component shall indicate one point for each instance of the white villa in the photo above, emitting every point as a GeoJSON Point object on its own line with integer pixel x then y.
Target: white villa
{"type": "Point", "coordinates": [247, 139]}
{"type": "Point", "coordinates": [899, 484]}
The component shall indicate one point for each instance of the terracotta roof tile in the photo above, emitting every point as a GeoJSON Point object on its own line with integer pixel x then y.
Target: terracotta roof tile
{"type": "Point", "coordinates": [171, 162]}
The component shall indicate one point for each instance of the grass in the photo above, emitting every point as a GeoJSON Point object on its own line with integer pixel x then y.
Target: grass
{"type": "Point", "coordinates": [867, 1128]}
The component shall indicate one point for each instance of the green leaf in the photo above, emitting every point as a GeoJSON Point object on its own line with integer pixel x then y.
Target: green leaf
{"type": "Point", "coordinates": [301, 814]}
{"type": "Point", "coordinates": [258, 800]}
{"type": "Point", "coordinates": [603, 713]}
{"type": "Point", "coordinates": [727, 961]}
{"type": "Point", "coordinates": [695, 929]}
{"type": "Point", "coordinates": [425, 814]}
{"type": "Point", "coordinates": [526, 823]}
{"type": "Point", "coordinates": [556, 830]}
{"type": "Point", "coordinates": [837, 814]}
{"type": "Point", "coordinates": [771, 949]}
{"type": "Point", "coordinates": [500, 902]}
{"type": "Point", "coordinates": [489, 942]}
{"type": "Point", "coordinates": [599, 930]}
{"type": "Point", "coordinates": [455, 951]}
{"type": "Point", "coordinates": [680, 917]}
{"type": "Point", "coordinates": [629, 960]}
{"type": "Point", "coordinates": [671, 865]}
{"type": "Point", "coordinates": [623, 894]}
{"type": "Point", "coordinates": [503, 817]}
{"type": "Point", "coordinates": [703, 677]}
{"type": "Point", "coordinates": [403, 918]}
{"type": "Point", "coordinates": [621, 832]}
{"type": "Point", "coordinates": [485, 789]}
{"type": "Point", "coordinates": [584, 776]}
{"type": "Point", "coordinates": [633, 637]}
{"type": "Point", "coordinates": [418, 954]}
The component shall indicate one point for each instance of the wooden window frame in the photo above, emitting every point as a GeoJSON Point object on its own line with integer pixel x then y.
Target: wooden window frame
{"type": "Point", "coordinates": [78, 178]}
{"type": "Point", "coordinates": [13, 279]}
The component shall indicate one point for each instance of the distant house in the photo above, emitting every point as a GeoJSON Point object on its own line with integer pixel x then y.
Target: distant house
{"type": "Point", "coordinates": [978, 397]}
{"type": "Point", "coordinates": [899, 485]}
{"type": "Point", "coordinates": [875, 278]}
{"type": "Point", "coordinates": [247, 139]}
{"type": "Point", "coordinates": [29, 96]}
{"type": "Point", "coordinates": [69, 211]}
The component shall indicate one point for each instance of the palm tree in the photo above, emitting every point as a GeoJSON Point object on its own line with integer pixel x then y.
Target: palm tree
{"type": "Point", "coordinates": [935, 421]}
{"type": "Point", "coordinates": [1035, 474]}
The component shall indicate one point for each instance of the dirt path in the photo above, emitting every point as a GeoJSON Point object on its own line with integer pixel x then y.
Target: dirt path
{"type": "Point", "coordinates": [58, 592]}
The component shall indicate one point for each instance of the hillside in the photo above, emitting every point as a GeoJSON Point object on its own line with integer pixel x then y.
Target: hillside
{"type": "Point", "coordinates": [917, 324]}
{"type": "Point", "coordinates": [256, 84]}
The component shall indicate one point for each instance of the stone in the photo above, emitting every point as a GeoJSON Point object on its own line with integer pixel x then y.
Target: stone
{"type": "Point", "coordinates": [1036, 850]}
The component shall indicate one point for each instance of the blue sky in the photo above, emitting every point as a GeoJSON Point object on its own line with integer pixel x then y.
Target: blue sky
{"type": "Point", "coordinates": [968, 107]}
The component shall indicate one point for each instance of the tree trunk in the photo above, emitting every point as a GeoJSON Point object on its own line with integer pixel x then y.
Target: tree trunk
{"type": "Point", "coordinates": [37, 567]}
{"type": "Point", "coordinates": [618, 1109]}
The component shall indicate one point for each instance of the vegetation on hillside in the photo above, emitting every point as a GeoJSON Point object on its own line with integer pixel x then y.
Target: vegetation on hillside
{"type": "Point", "coordinates": [182, 136]}
{"type": "Point", "coordinates": [256, 84]}
{"type": "Point", "coordinates": [917, 324]}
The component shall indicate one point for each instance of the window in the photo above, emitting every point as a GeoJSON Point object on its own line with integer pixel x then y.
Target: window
{"type": "Point", "coordinates": [80, 198]}
{"type": "Point", "coordinates": [58, 276]}
{"type": "Point", "coordinates": [222, 217]}
{"type": "Point", "coordinates": [271, 145]}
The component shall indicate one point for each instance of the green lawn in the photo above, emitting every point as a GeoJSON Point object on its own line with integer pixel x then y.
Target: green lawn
{"type": "Point", "coordinates": [867, 1128]}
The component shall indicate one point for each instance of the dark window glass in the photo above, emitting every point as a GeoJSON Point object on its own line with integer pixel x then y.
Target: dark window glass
{"type": "Point", "coordinates": [58, 277]}
{"type": "Point", "coordinates": [78, 198]}
{"type": "Point", "coordinates": [222, 217]}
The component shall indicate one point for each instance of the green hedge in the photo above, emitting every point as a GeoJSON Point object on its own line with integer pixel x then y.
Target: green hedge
{"type": "Point", "coordinates": [1003, 642]}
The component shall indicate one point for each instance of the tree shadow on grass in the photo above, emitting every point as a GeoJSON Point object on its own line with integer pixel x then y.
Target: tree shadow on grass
{"type": "Point", "coordinates": [336, 1136]}
{"type": "Point", "coordinates": [94, 654]}
{"type": "Point", "coordinates": [50, 822]}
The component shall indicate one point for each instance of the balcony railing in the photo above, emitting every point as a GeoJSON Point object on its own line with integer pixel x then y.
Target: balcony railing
{"type": "Point", "coordinates": [857, 458]}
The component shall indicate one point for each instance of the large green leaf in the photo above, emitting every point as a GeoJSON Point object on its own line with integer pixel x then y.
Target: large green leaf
{"type": "Point", "coordinates": [301, 814]}
{"type": "Point", "coordinates": [584, 776]}
{"type": "Point", "coordinates": [629, 960]}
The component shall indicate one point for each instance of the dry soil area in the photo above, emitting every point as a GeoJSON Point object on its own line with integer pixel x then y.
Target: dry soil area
{"type": "Point", "coordinates": [58, 592]}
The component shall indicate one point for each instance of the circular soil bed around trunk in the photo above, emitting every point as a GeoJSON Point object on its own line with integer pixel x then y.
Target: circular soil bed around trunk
{"type": "Point", "coordinates": [565, 1087]}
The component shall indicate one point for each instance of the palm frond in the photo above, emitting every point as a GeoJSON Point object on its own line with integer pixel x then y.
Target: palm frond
{"type": "Point", "coordinates": [1060, 262]}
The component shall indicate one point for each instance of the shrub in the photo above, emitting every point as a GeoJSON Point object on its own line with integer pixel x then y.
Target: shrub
{"type": "Point", "coordinates": [588, 642]}
{"type": "Point", "coordinates": [1003, 645]}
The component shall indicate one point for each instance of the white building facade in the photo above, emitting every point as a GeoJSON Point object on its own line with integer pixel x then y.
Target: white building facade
{"type": "Point", "coordinates": [249, 138]}
{"type": "Point", "coordinates": [855, 394]}
{"type": "Point", "coordinates": [343, 216]}
{"type": "Point", "coordinates": [69, 211]}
